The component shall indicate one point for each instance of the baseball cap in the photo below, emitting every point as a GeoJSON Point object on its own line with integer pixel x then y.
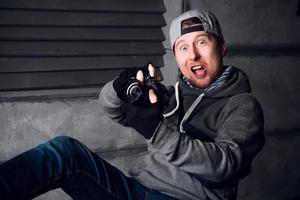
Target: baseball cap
{"type": "Point", "coordinates": [209, 24]}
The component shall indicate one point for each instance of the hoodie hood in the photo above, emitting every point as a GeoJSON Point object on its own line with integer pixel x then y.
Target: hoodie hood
{"type": "Point", "coordinates": [237, 83]}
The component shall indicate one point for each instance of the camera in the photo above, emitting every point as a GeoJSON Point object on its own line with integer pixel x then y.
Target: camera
{"type": "Point", "coordinates": [137, 93]}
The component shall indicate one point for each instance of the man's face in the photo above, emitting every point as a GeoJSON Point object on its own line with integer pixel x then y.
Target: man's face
{"type": "Point", "coordinates": [199, 57]}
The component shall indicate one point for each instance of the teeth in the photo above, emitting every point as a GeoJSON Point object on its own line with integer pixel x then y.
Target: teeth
{"type": "Point", "coordinates": [197, 67]}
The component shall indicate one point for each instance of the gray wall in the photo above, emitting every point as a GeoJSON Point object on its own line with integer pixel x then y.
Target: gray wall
{"type": "Point", "coordinates": [264, 41]}
{"type": "Point", "coordinates": [26, 124]}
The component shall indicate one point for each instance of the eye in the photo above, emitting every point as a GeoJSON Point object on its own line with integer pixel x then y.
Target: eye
{"type": "Point", "coordinates": [201, 42]}
{"type": "Point", "coordinates": [183, 48]}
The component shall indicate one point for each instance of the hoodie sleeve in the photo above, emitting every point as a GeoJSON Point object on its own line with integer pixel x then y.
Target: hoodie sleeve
{"type": "Point", "coordinates": [111, 104]}
{"type": "Point", "coordinates": [239, 138]}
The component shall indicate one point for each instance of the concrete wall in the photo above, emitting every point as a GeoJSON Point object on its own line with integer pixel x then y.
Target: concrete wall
{"type": "Point", "coordinates": [264, 41]}
{"type": "Point", "coordinates": [26, 124]}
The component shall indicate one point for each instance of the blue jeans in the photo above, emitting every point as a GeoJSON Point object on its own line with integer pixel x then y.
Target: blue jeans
{"type": "Point", "coordinates": [65, 163]}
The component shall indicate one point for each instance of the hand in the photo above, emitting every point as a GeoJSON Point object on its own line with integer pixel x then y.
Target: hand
{"type": "Point", "coordinates": [144, 119]}
{"type": "Point", "coordinates": [140, 77]}
{"type": "Point", "coordinates": [157, 92]}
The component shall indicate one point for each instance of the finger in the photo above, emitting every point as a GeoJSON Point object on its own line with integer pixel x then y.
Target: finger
{"type": "Point", "coordinates": [140, 76]}
{"type": "Point", "coordinates": [151, 70]}
{"type": "Point", "coordinates": [152, 96]}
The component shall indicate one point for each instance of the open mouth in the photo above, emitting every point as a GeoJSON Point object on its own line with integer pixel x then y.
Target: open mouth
{"type": "Point", "coordinates": [198, 70]}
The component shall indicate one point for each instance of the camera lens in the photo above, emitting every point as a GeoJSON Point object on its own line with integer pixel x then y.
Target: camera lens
{"type": "Point", "coordinates": [133, 92]}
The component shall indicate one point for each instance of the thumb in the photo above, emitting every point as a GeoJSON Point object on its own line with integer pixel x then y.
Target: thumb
{"type": "Point", "coordinates": [152, 96]}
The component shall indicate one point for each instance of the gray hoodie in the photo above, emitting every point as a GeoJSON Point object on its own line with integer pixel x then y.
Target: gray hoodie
{"type": "Point", "coordinates": [205, 143]}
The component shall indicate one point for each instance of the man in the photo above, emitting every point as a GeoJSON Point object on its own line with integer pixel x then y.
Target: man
{"type": "Point", "coordinates": [200, 142]}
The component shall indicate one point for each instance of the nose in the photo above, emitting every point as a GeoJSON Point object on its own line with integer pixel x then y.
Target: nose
{"type": "Point", "coordinates": [194, 53]}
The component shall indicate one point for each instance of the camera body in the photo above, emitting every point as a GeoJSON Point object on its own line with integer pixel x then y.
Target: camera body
{"type": "Point", "coordinates": [137, 93]}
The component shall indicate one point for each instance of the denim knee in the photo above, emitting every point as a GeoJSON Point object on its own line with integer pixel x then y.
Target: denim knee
{"type": "Point", "coordinates": [63, 139]}
{"type": "Point", "coordinates": [63, 146]}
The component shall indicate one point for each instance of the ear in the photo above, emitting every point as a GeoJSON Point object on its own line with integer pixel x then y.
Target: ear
{"type": "Point", "coordinates": [223, 48]}
{"type": "Point", "coordinates": [175, 57]}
